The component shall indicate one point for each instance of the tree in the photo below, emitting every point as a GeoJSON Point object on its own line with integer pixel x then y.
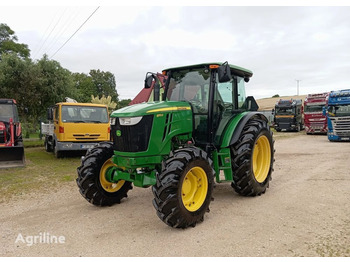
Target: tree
{"type": "Point", "coordinates": [97, 83]}
{"type": "Point", "coordinates": [104, 84]}
{"type": "Point", "coordinates": [104, 101]}
{"type": "Point", "coordinates": [123, 103]}
{"type": "Point", "coordinates": [55, 83]}
{"type": "Point", "coordinates": [8, 43]}
{"type": "Point", "coordinates": [18, 80]}
{"type": "Point", "coordinates": [83, 86]}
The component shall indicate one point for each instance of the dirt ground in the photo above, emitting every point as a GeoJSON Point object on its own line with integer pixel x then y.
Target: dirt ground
{"type": "Point", "coordinates": [305, 212]}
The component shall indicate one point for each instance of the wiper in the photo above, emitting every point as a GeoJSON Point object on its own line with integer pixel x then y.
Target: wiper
{"type": "Point", "coordinates": [79, 121]}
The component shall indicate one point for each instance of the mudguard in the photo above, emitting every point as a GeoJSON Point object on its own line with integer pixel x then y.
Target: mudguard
{"type": "Point", "coordinates": [235, 126]}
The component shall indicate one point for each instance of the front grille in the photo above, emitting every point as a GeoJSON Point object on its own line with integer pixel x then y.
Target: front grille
{"type": "Point", "coordinates": [341, 126]}
{"type": "Point", "coordinates": [86, 137]}
{"type": "Point", "coordinates": [133, 138]}
{"type": "Point", "coordinates": [317, 126]}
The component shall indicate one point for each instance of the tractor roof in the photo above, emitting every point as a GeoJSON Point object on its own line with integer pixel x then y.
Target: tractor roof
{"type": "Point", "coordinates": [240, 71]}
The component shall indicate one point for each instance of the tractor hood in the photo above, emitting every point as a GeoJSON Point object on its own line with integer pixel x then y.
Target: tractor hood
{"type": "Point", "coordinates": [151, 108]}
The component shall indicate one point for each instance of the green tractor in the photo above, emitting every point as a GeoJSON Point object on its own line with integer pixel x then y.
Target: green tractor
{"type": "Point", "coordinates": [200, 127]}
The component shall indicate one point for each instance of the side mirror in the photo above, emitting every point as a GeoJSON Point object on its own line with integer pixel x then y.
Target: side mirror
{"type": "Point", "coordinates": [224, 73]}
{"type": "Point", "coordinates": [50, 113]}
{"type": "Point", "coordinates": [149, 80]}
{"type": "Point", "coordinates": [250, 104]}
{"type": "Point", "coordinates": [150, 77]}
{"type": "Point", "coordinates": [324, 111]}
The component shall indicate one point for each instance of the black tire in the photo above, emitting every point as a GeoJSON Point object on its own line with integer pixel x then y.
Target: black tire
{"type": "Point", "coordinates": [58, 154]}
{"type": "Point", "coordinates": [256, 135]}
{"type": "Point", "coordinates": [173, 188]}
{"type": "Point", "coordinates": [90, 179]}
{"type": "Point", "coordinates": [48, 146]}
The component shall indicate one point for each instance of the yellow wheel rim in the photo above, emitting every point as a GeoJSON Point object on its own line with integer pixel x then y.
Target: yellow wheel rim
{"type": "Point", "coordinates": [261, 158]}
{"type": "Point", "coordinates": [194, 189]}
{"type": "Point", "coordinates": [106, 185]}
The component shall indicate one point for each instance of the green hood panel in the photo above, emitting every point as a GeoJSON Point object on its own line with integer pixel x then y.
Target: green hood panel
{"type": "Point", "coordinates": [151, 108]}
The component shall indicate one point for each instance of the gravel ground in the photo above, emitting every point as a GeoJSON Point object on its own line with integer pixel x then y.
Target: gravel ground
{"type": "Point", "coordinates": [305, 212]}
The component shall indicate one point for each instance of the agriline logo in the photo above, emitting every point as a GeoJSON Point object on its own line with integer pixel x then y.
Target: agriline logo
{"type": "Point", "coordinates": [41, 238]}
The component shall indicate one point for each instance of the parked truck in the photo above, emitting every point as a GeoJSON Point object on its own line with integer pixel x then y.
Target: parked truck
{"type": "Point", "coordinates": [201, 128]}
{"type": "Point", "coordinates": [314, 120]}
{"type": "Point", "coordinates": [75, 127]}
{"type": "Point", "coordinates": [338, 115]}
{"type": "Point", "coordinates": [288, 115]}
{"type": "Point", "coordinates": [11, 142]}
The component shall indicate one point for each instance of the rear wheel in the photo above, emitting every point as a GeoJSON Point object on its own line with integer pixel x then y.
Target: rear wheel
{"type": "Point", "coordinates": [253, 157]}
{"type": "Point", "coordinates": [92, 182]}
{"type": "Point", "coordinates": [183, 191]}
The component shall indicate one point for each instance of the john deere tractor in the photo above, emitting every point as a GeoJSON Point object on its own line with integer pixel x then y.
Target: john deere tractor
{"type": "Point", "coordinates": [199, 127]}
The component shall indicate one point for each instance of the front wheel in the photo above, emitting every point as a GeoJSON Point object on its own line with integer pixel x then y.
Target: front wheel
{"type": "Point", "coordinates": [92, 182]}
{"type": "Point", "coordinates": [183, 191]}
{"type": "Point", "coordinates": [252, 159]}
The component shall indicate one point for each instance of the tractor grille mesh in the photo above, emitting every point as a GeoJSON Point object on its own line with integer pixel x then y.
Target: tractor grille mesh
{"type": "Point", "coordinates": [134, 138]}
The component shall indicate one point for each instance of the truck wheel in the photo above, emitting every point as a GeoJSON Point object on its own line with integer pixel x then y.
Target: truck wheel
{"type": "Point", "coordinates": [58, 154]}
{"type": "Point", "coordinates": [92, 183]}
{"type": "Point", "coordinates": [252, 159]}
{"type": "Point", "coordinates": [183, 191]}
{"type": "Point", "coordinates": [48, 146]}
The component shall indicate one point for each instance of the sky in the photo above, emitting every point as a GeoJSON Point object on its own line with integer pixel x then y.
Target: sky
{"type": "Point", "coordinates": [283, 45]}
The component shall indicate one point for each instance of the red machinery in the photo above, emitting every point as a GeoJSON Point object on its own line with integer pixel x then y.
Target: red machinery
{"type": "Point", "coordinates": [11, 142]}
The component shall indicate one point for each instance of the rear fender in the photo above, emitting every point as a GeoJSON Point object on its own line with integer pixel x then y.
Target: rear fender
{"type": "Point", "coordinates": [236, 125]}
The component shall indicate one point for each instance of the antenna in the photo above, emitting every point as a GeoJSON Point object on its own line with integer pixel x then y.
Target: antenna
{"type": "Point", "coordinates": [297, 85]}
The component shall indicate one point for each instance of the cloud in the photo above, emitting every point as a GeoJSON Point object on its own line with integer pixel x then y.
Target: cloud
{"type": "Point", "coordinates": [279, 44]}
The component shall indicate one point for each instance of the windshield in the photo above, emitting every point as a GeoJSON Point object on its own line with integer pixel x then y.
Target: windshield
{"type": "Point", "coordinates": [84, 114]}
{"type": "Point", "coordinates": [341, 110]}
{"type": "Point", "coordinates": [313, 108]}
{"type": "Point", "coordinates": [191, 86]}
{"type": "Point", "coordinates": [284, 111]}
{"type": "Point", "coordinates": [6, 112]}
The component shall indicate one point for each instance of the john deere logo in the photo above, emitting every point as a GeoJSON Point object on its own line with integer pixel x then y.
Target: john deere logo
{"type": "Point", "coordinates": [119, 133]}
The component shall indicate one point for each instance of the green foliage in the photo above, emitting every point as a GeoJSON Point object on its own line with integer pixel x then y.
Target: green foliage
{"type": "Point", "coordinates": [104, 101]}
{"type": "Point", "coordinates": [124, 103]}
{"type": "Point", "coordinates": [84, 87]}
{"type": "Point", "coordinates": [37, 85]}
{"type": "Point", "coordinates": [8, 43]}
{"type": "Point", "coordinates": [277, 95]}
{"type": "Point", "coordinates": [104, 84]}
{"type": "Point", "coordinates": [98, 83]}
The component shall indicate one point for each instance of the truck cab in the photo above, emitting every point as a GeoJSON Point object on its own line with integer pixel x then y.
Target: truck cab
{"type": "Point", "coordinates": [288, 115]}
{"type": "Point", "coordinates": [315, 121]}
{"type": "Point", "coordinates": [76, 127]}
{"type": "Point", "coordinates": [338, 115]}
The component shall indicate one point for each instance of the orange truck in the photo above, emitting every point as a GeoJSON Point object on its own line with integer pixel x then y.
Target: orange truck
{"type": "Point", "coordinates": [75, 127]}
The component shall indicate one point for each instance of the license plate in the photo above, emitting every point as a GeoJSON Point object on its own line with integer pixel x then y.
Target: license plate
{"type": "Point", "coordinates": [86, 146]}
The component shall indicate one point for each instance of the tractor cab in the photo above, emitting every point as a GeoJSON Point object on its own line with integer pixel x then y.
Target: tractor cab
{"type": "Point", "coordinates": [216, 93]}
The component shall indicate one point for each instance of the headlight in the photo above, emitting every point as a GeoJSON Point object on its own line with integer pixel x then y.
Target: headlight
{"type": "Point", "coordinates": [129, 121]}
